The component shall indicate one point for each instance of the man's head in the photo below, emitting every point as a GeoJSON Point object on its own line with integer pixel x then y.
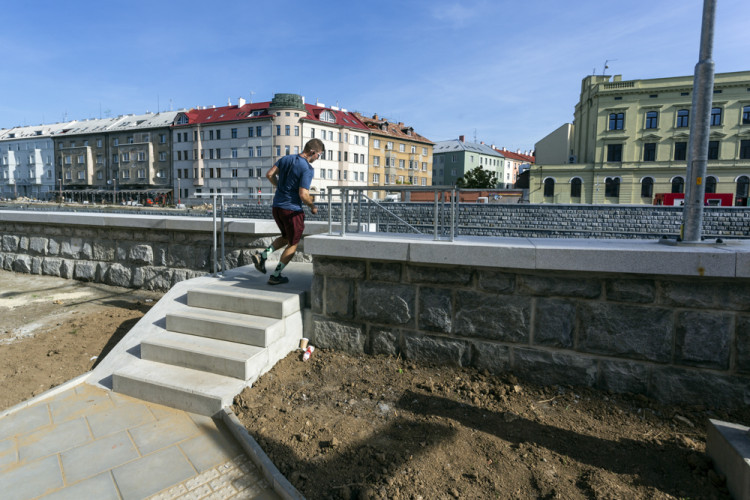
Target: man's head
{"type": "Point", "coordinates": [314, 149]}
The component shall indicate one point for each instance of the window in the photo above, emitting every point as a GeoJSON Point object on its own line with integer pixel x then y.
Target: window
{"type": "Point", "coordinates": [649, 151]}
{"type": "Point", "coordinates": [680, 151]}
{"type": "Point", "coordinates": [81, 159]}
{"type": "Point", "coordinates": [234, 152]}
{"type": "Point", "coordinates": [549, 187]}
{"type": "Point", "coordinates": [296, 150]}
{"type": "Point", "coordinates": [115, 158]}
{"type": "Point", "coordinates": [218, 134]}
{"type": "Point", "coordinates": [376, 178]}
{"type": "Point", "coordinates": [616, 121]}
{"type": "Point", "coordinates": [652, 119]}
{"type": "Point", "coordinates": [327, 116]}
{"type": "Point", "coordinates": [647, 187]}
{"type": "Point", "coordinates": [131, 140]}
{"type": "Point", "coordinates": [67, 176]}
{"type": "Point", "coordinates": [258, 172]}
{"type": "Point", "coordinates": [162, 138]}
{"type": "Point", "coordinates": [612, 187]}
{"type": "Point", "coordinates": [743, 182]}
{"type": "Point", "coordinates": [296, 130]}
{"type": "Point", "coordinates": [99, 159]}
{"type": "Point", "coordinates": [375, 161]}
{"type": "Point", "coordinates": [683, 116]}
{"type": "Point", "coordinates": [81, 175]}
{"type": "Point", "coordinates": [575, 187]}
{"type": "Point", "coordinates": [401, 148]}
{"type": "Point", "coordinates": [745, 149]}
{"type": "Point", "coordinates": [713, 150]}
{"type": "Point", "coordinates": [141, 156]}
{"type": "Point", "coordinates": [258, 130]}
{"type": "Point", "coordinates": [614, 152]}
{"type": "Point", "coordinates": [218, 154]}
{"type": "Point", "coordinates": [126, 174]}
{"type": "Point", "coordinates": [116, 142]}
{"type": "Point", "coordinates": [163, 156]}
{"type": "Point", "coordinates": [98, 143]}
{"type": "Point", "coordinates": [287, 130]}
{"type": "Point", "coordinates": [710, 184]}
{"type": "Point", "coordinates": [312, 133]}
{"type": "Point", "coordinates": [233, 133]}
{"type": "Point", "coordinates": [278, 150]}
{"type": "Point", "coordinates": [278, 129]}
{"type": "Point", "coordinates": [746, 115]}
{"type": "Point", "coordinates": [249, 131]}
{"type": "Point", "coordinates": [287, 150]}
{"type": "Point", "coordinates": [258, 150]}
{"type": "Point", "coordinates": [376, 143]}
{"type": "Point", "coordinates": [141, 173]}
{"type": "Point", "coordinates": [401, 164]}
{"type": "Point", "coordinates": [715, 116]}
{"type": "Point", "coordinates": [234, 173]}
{"type": "Point", "coordinates": [678, 185]}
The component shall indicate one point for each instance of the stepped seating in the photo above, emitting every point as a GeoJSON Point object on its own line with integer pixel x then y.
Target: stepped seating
{"type": "Point", "coordinates": [214, 345]}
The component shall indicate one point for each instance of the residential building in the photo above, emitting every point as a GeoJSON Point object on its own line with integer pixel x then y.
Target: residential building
{"type": "Point", "coordinates": [398, 155]}
{"type": "Point", "coordinates": [515, 163]}
{"type": "Point", "coordinates": [630, 140]}
{"type": "Point", "coordinates": [453, 158]}
{"type": "Point", "coordinates": [230, 149]}
{"type": "Point", "coordinates": [27, 161]}
{"type": "Point", "coordinates": [129, 154]}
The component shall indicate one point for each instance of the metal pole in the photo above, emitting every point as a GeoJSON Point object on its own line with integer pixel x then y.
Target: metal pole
{"type": "Point", "coordinates": [435, 217]}
{"type": "Point", "coordinates": [703, 84]}
{"type": "Point", "coordinates": [359, 211]}
{"type": "Point", "coordinates": [453, 214]}
{"type": "Point", "coordinates": [344, 195]}
{"type": "Point", "coordinates": [223, 253]}
{"type": "Point", "coordinates": [213, 250]}
{"type": "Point", "coordinates": [330, 214]}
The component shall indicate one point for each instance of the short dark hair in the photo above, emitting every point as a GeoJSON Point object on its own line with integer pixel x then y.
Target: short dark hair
{"type": "Point", "coordinates": [314, 145]}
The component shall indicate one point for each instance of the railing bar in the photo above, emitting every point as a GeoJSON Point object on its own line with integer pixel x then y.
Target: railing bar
{"type": "Point", "coordinates": [223, 252]}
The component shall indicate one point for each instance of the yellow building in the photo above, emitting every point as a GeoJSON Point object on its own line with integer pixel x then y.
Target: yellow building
{"type": "Point", "coordinates": [629, 142]}
{"type": "Point", "coordinates": [398, 155]}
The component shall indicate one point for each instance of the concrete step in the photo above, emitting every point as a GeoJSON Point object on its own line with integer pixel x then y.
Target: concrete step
{"type": "Point", "coordinates": [231, 359]}
{"type": "Point", "coordinates": [266, 303]}
{"type": "Point", "coordinates": [182, 388]}
{"type": "Point", "coordinates": [222, 325]}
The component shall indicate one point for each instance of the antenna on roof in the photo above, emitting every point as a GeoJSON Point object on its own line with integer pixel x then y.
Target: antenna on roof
{"type": "Point", "coordinates": [251, 96]}
{"type": "Point", "coordinates": [604, 70]}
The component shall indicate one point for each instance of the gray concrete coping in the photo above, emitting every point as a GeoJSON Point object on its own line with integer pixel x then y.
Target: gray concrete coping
{"type": "Point", "coordinates": [729, 260]}
{"type": "Point", "coordinates": [728, 445]}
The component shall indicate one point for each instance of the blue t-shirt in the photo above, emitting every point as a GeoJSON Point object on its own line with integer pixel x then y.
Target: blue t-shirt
{"type": "Point", "coordinates": [294, 172]}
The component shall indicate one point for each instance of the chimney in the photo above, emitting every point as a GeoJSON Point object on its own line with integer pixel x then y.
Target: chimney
{"type": "Point", "coordinates": [461, 138]}
{"type": "Point", "coordinates": [375, 116]}
{"type": "Point", "coordinates": [504, 149]}
{"type": "Point", "coordinates": [229, 101]}
{"type": "Point", "coordinates": [240, 102]}
{"type": "Point", "coordinates": [518, 151]}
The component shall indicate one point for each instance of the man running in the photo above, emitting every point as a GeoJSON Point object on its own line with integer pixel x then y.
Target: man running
{"type": "Point", "coordinates": [291, 175]}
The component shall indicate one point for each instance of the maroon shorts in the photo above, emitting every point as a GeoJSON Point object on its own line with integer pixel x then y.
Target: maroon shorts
{"type": "Point", "coordinates": [291, 224]}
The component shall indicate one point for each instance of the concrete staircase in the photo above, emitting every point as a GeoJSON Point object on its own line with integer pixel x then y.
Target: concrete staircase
{"type": "Point", "coordinates": [221, 340]}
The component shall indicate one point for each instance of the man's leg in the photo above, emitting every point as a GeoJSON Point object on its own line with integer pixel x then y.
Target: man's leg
{"type": "Point", "coordinates": [286, 257]}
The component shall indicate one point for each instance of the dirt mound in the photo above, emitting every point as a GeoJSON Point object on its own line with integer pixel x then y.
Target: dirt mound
{"type": "Point", "coordinates": [342, 426]}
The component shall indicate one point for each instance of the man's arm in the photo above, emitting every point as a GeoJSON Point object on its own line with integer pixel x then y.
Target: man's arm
{"type": "Point", "coordinates": [272, 175]}
{"type": "Point", "coordinates": [304, 195]}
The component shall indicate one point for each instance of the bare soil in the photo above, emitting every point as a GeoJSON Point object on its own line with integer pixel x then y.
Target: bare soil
{"type": "Point", "coordinates": [360, 427]}
{"type": "Point", "coordinates": [53, 329]}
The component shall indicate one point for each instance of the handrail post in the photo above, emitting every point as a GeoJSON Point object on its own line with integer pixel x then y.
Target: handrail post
{"type": "Point", "coordinates": [330, 214]}
{"type": "Point", "coordinates": [344, 195]}
{"type": "Point", "coordinates": [453, 214]}
{"type": "Point", "coordinates": [359, 211]}
{"type": "Point", "coordinates": [435, 217]}
{"type": "Point", "coordinates": [213, 250]}
{"type": "Point", "coordinates": [223, 252]}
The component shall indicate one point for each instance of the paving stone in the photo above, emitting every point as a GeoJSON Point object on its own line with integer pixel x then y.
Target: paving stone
{"type": "Point", "coordinates": [153, 436]}
{"type": "Point", "coordinates": [8, 453]}
{"type": "Point", "coordinates": [98, 456]}
{"type": "Point", "coordinates": [31, 480]}
{"type": "Point", "coordinates": [170, 493]}
{"type": "Point", "coordinates": [152, 473]}
{"type": "Point", "coordinates": [209, 449]}
{"type": "Point", "coordinates": [120, 418]}
{"type": "Point", "coordinates": [24, 421]}
{"type": "Point", "coordinates": [202, 478]}
{"type": "Point", "coordinates": [100, 487]}
{"type": "Point", "coordinates": [53, 439]}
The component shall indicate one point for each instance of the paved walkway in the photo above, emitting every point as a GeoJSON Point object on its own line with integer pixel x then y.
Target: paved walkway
{"type": "Point", "coordinates": [87, 442]}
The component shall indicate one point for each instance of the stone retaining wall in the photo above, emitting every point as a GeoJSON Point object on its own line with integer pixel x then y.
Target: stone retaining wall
{"type": "Point", "coordinates": [679, 340]}
{"type": "Point", "coordinates": [154, 259]}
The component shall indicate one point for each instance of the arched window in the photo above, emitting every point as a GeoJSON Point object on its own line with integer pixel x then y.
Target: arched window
{"type": "Point", "coordinates": [612, 187]}
{"type": "Point", "coordinates": [327, 116]}
{"type": "Point", "coordinates": [575, 187]}
{"type": "Point", "coordinates": [742, 186]}
{"type": "Point", "coordinates": [549, 187]}
{"type": "Point", "coordinates": [678, 185]}
{"type": "Point", "coordinates": [182, 120]}
{"type": "Point", "coordinates": [647, 187]}
{"type": "Point", "coordinates": [710, 184]}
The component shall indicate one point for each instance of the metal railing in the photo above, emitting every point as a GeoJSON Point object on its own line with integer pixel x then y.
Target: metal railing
{"type": "Point", "coordinates": [445, 205]}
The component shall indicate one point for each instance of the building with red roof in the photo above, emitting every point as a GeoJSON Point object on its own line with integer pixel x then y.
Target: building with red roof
{"type": "Point", "coordinates": [515, 163]}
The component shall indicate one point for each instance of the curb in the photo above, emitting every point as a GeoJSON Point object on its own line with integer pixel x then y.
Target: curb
{"type": "Point", "coordinates": [280, 484]}
{"type": "Point", "coordinates": [46, 394]}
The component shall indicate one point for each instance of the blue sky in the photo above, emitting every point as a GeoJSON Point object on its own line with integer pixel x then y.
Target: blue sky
{"type": "Point", "coordinates": [505, 72]}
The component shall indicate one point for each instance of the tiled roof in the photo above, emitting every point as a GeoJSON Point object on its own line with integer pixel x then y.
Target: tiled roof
{"type": "Point", "coordinates": [227, 113]}
{"type": "Point", "coordinates": [343, 118]}
{"type": "Point", "coordinates": [516, 156]}
{"type": "Point", "coordinates": [382, 126]}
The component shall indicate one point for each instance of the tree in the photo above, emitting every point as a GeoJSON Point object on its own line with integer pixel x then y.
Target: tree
{"type": "Point", "coordinates": [478, 178]}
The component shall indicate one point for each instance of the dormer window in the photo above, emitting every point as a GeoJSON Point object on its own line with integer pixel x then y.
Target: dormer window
{"type": "Point", "coordinates": [182, 120]}
{"type": "Point", "coordinates": [327, 116]}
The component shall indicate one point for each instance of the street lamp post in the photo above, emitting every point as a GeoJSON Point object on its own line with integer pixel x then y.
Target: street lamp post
{"type": "Point", "coordinates": [114, 189]}
{"type": "Point", "coordinates": [179, 191]}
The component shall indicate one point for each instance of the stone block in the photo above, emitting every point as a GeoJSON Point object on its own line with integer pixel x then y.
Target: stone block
{"type": "Point", "coordinates": [23, 244]}
{"type": "Point", "coordinates": [141, 255]}
{"type": "Point", "coordinates": [36, 265]}
{"type": "Point", "coordinates": [703, 339]}
{"type": "Point", "coordinates": [71, 248]}
{"type": "Point", "coordinates": [51, 266]}
{"type": "Point", "coordinates": [339, 335]}
{"type": "Point", "coordinates": [10, 243]}
{"type": "Point", "coordinates": [340, 268]}
{"type": "Point", "coordinates": [636, 332]}
{"type": "Point", "coordinates": [439, 275]}
{"type": "Point", "coordinates": [8, 261]}
{"type": "Point", "coordinates": [317, 289]}
{"type": "Point", "coordinates": [101, 271]}
{"type": "Point", "coordinates": [386, 303]}
{"type": "Point", "coordinates": [494, 358]}
{"type": "Point", "coordinates": [555, 322]}
{"type": "Point", "coordinates": [66, 269]}
{"type": "Point", "coordinates": [179, 275]}
{"type": "Point", "coordinates": [554, 367]}
{"type": "Point", "coordinates": [85, 270]}
{"type": "Point", "coordinates": [87, 253]}
{"type": "Point", "coordinates": [435, 309]}
{"type": "Point", "coordinates": [673, 385]}
{"type": "Point", "coordinates": [742, 343]}
{"type": "Point", "coordinates": [38, 245]}
{"type": "Point", "coordinates": [438, 350]}
{"type": "Point", "coordinates": [386, 271]}
{"type": "Point", "coordinates": [489, 316]}
{"type": "Point", "coordinates": [385, 341]}
{"type": "Point", "coordinates": [156, 278]}
{"type": "Point", "coordinates": [714, 294]}
{"type": "Point", "coordinates": [53, 247]}
{"type": "Point", "coordinates": [22, 264]}
{"type": "Point", "coordinates": [623, 290]}
{"type": "Point", "coordinates": [118, 275]}
{"type": "Point", "coordinates": [103, 250]}
{"type": "Point", "coordinates": [530, 284]}
{"type": "Point", "coordinates": [499, 282]}
{"type": "Point", "coordinates": [624, 376]}
{"type": "Point", "coordinates": [339, 297]}
{"type": "Point", "coordinates": [138, 277]}
{"type": "Point", "coordinates": [122, 249]}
